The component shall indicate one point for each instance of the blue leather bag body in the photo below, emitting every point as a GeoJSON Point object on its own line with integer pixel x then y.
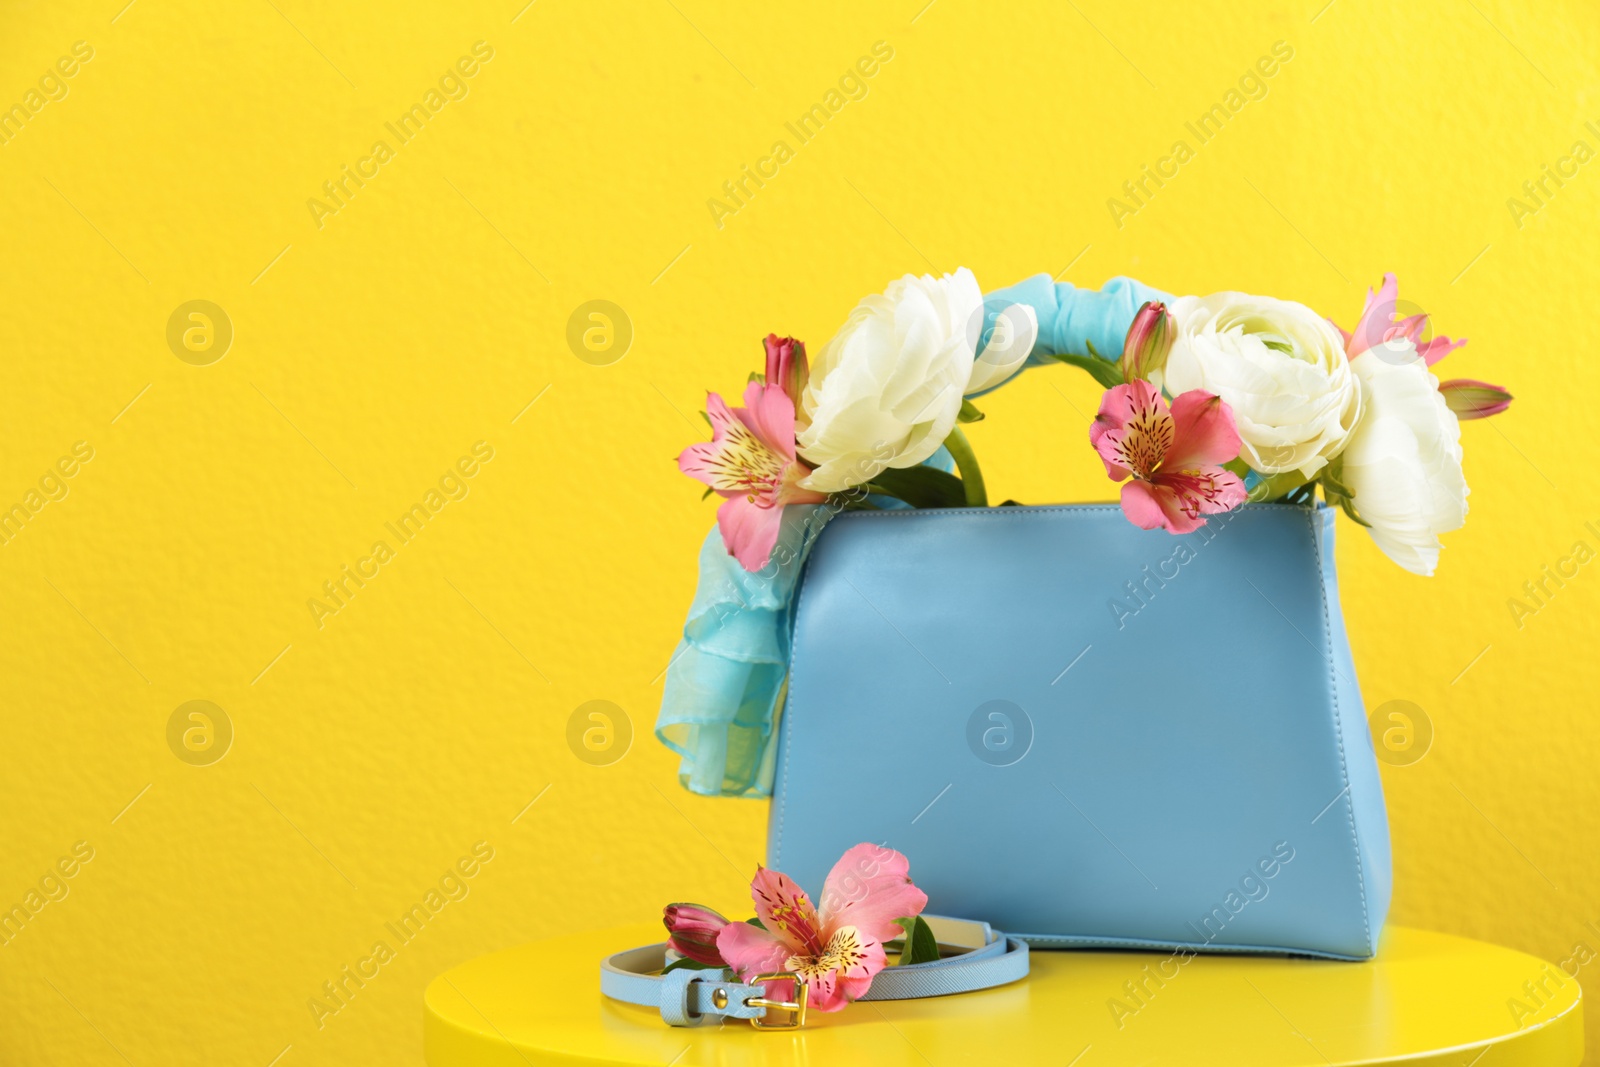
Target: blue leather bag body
{"type": "Point", "coordinates": [1088, 734]}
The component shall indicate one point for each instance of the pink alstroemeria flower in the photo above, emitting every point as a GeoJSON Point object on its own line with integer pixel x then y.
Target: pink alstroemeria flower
{"type": "Point", "coordinates": [787, 366]}
{"type": "Point", "coordinates": [835, 950]}
{"type": "Point", "coordinates": [1174, 455]}
{"type": "Point", "coordinates": [1472, 399]}
{"type": "Point", "coordinates": [1149, 340]}
{"type": "Point", "coordinates": [692, 932]}
{"type": "Point", "coordinates": [750, 460]}
{"type": "Point", "coordinates": [1378, 324]}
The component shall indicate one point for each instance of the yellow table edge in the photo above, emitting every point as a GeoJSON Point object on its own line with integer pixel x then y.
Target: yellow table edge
{"type": "Point", "coordinates": [459, 1033]}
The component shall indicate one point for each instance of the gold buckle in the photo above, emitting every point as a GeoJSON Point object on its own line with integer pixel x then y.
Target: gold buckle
{"type": "Point", "coordinates": [796, 1008]}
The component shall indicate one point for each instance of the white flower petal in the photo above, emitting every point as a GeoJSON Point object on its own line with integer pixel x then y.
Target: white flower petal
{"type": "Point", "coordinates": [1294, 408]}
{"type": "Point", "coordinates": [886, 390]}
{"type": "Point", "coordinates": [1403, 462]}
{"type": "Point", "coordinates": [1015, 332]}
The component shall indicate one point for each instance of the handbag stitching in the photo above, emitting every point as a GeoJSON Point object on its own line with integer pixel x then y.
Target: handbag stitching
{"type": "Point", "coordinates": [1024, 510]}
{"type": "Point", "coordinates": [1338, 723]}
{"type": "Point", "coordinates": [1209, 946]}
{"type": "Point", "coordinates": [780, 796]}
{"type": "Point", "coordinates": [786, 717]}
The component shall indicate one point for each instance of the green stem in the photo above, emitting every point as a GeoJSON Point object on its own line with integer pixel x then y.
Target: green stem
{"type": "Point", "coordinates": [873, 489]}
{"type": "Point", "coordinates": [1276, 486]}
{"type": "Point", "coordinates": [967, 464]}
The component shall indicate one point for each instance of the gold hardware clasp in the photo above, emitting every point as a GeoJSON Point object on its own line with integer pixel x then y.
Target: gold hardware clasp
{"type": "Point", "coordinates": [796, 1008]}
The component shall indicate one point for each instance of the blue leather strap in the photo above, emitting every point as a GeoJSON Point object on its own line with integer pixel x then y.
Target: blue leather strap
{"type": "Point", "coordinates": [684, 997]}
{"type": "Point", "coordinates": [688, 997]}
{"type": "Point", "coordinates": [1003, 960]}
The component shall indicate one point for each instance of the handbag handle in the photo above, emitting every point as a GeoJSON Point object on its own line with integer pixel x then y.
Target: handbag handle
{"type": "Point", "coordinates": [1073, 322]}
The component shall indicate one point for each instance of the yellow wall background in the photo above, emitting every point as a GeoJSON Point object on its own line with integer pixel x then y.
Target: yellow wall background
{"type": "Point", "coordinates": [369, 353]}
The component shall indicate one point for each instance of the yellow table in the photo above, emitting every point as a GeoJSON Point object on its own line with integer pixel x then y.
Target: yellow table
{"type": "Point", "coordinates": [1426, 999]}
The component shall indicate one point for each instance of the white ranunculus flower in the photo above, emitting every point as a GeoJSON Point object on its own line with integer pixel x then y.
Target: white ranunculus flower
{"type": "Point", "coordinates": [1403, 462]}
{"type": "Point", "coordinates": [1016, 328]}
{"type": "Point", "coordinates": [1279, 365]}
{"type": "Point", "coordinates": [886, 390]}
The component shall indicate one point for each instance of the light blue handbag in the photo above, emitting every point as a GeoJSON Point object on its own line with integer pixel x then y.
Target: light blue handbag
{"type": "Point", "coordinates": [1088, 734]}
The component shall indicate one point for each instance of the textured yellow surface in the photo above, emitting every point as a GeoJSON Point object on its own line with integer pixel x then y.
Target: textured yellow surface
{"type": "Point", "coordinates": [372, 749]}
{"type": "Point", "coordinates": [1428, 1000]}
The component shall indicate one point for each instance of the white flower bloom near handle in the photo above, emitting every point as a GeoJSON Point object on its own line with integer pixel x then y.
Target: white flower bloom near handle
{"type": "Point", "coordinates": [887, 389]}
{"type": "Point", "coordinates": [1279, 365]}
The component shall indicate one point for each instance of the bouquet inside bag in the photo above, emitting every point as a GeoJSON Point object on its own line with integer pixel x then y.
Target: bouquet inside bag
{"type": "Point", "coordinates": [1210, 401]}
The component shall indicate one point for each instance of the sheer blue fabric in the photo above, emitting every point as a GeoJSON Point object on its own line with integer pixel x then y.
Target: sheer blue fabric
{"type": "Point", "coordinates": [725, 679]}
{"type": "Point", "coordinates": [725, 684]}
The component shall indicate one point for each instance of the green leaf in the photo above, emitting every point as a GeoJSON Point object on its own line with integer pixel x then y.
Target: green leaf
{"type": "Point", "coordinates": [921, 487]}
{"type": "Point", "coordinates": [1331, 483]}
{"type": "Point", "coordinates": [1301, 495]}
{"type": "Point", "coordinates": [755, 921]}
{"type": "Point", "coordinates": [1344, 501]}
{"type": "Point", "coordinates": [708, 492]}
{"type": "Point", "coordinates": [969, 412]}
{"type": "Point", "coordinates": [686, 964]}
{"type": "Point", "coordinates": [1107, 373]}
{"type": "Point", "coordinates": [1339, 495]}
{"type": "Point", "coordinates": [1348, 506]}
{"type": "Point", "coordinates": [920, 944]}
{"type": "Point", "coordinates": [1274, 486]}
{"type": "Point", "coordinates": [756, 376]}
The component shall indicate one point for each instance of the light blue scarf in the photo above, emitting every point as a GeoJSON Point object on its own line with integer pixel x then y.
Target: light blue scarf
{"type": "Point", "coordinates": [725, 683]}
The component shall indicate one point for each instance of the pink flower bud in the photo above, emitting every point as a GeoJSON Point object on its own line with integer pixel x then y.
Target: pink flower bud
{"type": "Point", "coordinates": [692, 932]}
{"type": "Point", "coordinates": [786, 366]}
{"type": "Point", "coordinates": [1471, 399]}
{"type": "Point", "coordinates": [1149, 339]}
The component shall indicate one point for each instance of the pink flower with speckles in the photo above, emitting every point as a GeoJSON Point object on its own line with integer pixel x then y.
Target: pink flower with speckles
{"type": "Point", "coordinates": [836, 949]}
{"type": "Point", "coordinates": [750, 460]}
{"type": "Point", "coordinates": [1174, 455]}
